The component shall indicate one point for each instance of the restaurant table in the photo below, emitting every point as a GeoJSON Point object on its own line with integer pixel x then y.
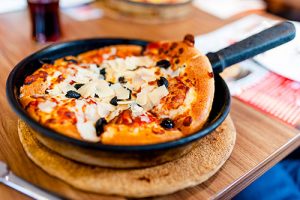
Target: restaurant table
{"type": "Point", "coordinates": [261, 142]}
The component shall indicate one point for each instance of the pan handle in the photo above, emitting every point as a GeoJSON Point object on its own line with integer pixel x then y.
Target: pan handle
{"type": "Point", "coordinates": [252, 46]}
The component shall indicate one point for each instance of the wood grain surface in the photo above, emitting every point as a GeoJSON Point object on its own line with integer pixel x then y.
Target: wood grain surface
{"type": "Point", "coordinates": [261, 141]}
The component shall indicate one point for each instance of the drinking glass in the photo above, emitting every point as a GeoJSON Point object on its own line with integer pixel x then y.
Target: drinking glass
{"type": "Point", "coordinates": [45, 20]}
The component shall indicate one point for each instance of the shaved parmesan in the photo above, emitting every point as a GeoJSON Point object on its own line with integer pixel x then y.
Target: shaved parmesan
{"type": "Point", "coordinates": [120, 91]}
{"type": "Point", "coordinates": [116, 112]}
{"type": "Point", "coordinates": [87, 131]}
{"type": "Point", "coordinates": [99, 87]}
{"type": "Point", "coordinates": [86, 128]}
{"type": "Point", "coordinates": [61, 89]}
{"type": "Point", "coordinates": [129, 63]}
{"type": "Point", "coordinates": [133, 62]}
{"type": "Point", "coordinates": [147, 74]}
{"type": "Point", "coordinates": [85, 75]}
{"type": "Point", "coordinates": [142, 98]}
{"type": "Point", "coordinates": [65, 87]}
{"type": "Point", "coordinates": [55, 91]}
{"type": "Point", "coordinates": [136, 110]}
{"type": "Point", "coordinates": [104, 109]}
{"type": "Point", "coordinates": [91, 113]}
{"type": "Point", "coordinates": [150, 96]}
{"type": "Point", "coordinates": [124, 102]}
{"type": "Point", "coordinates": [157, 94]}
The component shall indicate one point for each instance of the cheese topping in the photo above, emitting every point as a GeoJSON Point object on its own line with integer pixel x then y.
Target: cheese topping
{"type": "Point", "coordinates": [120, 91]}
{"type": "Point", "coordinates": [107, 90]}
{"type": "Point", "coordinates": [96, 87]}
{"type": "Point", "coordinates": [136, 109]}
{"type": "Point", "coordinates": [87, 131]}
{"type": "Point", "coordinates": [112, 52]}
{"type": "Point", "coordinates": [186, 104]}
{"type": "Point", "coordinates": [46, 106]}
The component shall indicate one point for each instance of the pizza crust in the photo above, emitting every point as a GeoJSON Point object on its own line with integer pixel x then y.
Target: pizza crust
{"type": "Point", "coordinates": [197, 74]}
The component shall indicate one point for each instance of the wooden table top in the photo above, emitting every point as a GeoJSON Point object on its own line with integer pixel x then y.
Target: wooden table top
{"type": "Point", "coordinates": [261, 141]}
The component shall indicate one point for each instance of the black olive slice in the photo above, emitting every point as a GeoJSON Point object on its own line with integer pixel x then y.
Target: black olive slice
{"type": "Point", "coordinates": [78, 85]}
{"type": "Point", "coordinates": [114, 101]}
{"type": "Point", "coordinates": [100, 126]}
{"type": "Point", "coordinates": [167, 123]}
{"type": "Point", "coordinates": [163, 81]}
{"type": "Point", "coordinates": [122, 79]}
{"type": "Point", "coordinates": [163, 64]}
{"type": "Point", "coordinates": [103, 72]}
{"type": "Point", "coordinates": [130, 93]}
{"type": "Point", "coordinates": [73, 94]}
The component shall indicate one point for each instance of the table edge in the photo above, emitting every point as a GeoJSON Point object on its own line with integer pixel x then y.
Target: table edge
{"type": "Point", "coordinates": [245, 180]}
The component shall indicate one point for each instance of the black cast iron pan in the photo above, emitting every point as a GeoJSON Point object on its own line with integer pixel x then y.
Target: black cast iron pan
{"type": "Point", "coordinates": [238, 52]}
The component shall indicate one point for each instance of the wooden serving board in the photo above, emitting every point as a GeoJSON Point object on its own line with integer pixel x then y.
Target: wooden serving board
{"type": "Point", "coordinates": [189, 170]}
{"type": "Point", "coordinates": [253, 154]}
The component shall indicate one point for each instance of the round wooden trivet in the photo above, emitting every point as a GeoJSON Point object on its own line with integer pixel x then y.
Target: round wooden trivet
{"type": "Point", "coordinates": [189, 170]}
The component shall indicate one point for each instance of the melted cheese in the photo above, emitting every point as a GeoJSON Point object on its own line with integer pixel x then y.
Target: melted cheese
{"type": "Point", "coordinates": [190, 96]}
{"type": "Point", "coordinates": [47, 106]}
{"type": "Point", "coordinates": [137, 71]}
{"type": "Point", "coordinates": [112, 52]}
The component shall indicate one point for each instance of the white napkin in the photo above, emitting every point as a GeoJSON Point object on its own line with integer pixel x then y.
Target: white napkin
{"type": "Point", "coordinates": [227, 8]}
{"type": "Point", "coordinates": [284, 60]}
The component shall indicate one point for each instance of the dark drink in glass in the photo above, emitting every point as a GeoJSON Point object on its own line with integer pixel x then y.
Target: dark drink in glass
{"type": "Point", "coordinates": [45, 20]}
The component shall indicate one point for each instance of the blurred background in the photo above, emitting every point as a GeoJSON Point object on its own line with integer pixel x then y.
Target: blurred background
{"type": "Point", "coordinates": [289, 9]}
